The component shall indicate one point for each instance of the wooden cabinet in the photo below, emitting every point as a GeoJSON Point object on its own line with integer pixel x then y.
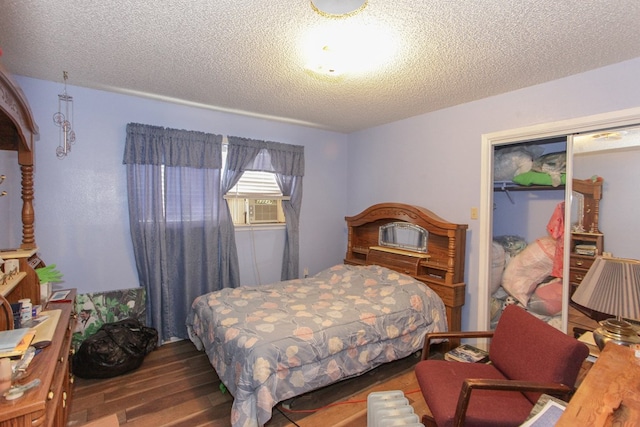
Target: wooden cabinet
{"type": "Point", "coordinates": [47, 405]}
{"type": "Point", "coordinates": [26, 283]}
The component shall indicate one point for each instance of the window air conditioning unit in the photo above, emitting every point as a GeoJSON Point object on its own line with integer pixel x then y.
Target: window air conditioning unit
{"type": "Point", "coordinates": [262, 211]}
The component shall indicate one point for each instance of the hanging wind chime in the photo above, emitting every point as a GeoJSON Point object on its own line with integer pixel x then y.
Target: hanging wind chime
{"type": "Point", "coordinates": [63, 119]}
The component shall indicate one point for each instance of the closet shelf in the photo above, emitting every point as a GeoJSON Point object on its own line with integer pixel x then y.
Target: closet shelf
{"type": "Point", "coordinates": [512, 186]}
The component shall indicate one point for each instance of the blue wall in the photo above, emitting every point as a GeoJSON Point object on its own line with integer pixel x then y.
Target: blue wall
{"type": "Point", "coordinates": [433, 160]}
{"type": "Point", "coordinates": [82, 221]}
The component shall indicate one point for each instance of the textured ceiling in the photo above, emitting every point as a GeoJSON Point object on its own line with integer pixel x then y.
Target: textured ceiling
{"type": "Point", "coordinates": [248, 56]}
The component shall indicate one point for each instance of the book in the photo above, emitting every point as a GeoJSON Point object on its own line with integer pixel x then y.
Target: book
{"type": "Point", "coordinates": [468, 354]}
{"type": "Point", "coordinates": [19, 349]}
{"type": "Point", "coordinates": [11, 338]}
{"type": "Point", "coordinates": [590, 250]}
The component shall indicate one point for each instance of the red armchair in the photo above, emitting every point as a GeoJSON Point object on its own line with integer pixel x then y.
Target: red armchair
{"type": "Point", "coordinates": [528, 358]}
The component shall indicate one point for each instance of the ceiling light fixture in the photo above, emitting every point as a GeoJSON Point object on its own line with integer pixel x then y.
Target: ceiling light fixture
{"type": "Point", "coordinates": [338, 8]}
{"type": "Point", "coordinates": [336, 46]}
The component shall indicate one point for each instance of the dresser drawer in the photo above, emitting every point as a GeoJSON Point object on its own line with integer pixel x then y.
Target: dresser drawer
{"type": "Point", "coordinates": [581, 262]}
{"type": "Point", "coordinates": [576, 276]}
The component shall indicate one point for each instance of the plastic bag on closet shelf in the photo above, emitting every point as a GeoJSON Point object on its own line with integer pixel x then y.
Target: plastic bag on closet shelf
{"type": "Point", "coordinates": [116, 348]}
{"type": "Point", "coordinates": [554, 164]}
{"type": "Point", "coordinates": [511, 161]}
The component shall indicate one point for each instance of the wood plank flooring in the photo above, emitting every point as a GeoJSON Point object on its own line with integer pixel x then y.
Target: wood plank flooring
{"type": "Point", "coordinates": [176, 386]}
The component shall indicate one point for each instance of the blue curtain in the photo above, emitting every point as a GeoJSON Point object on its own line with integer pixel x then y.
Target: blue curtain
{"type": "Point", "coordinates": [287, 163]}
{"type": "Point", "coordinates": [180, 225]}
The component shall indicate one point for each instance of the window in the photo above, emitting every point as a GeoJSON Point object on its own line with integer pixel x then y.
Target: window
{"type": "Point", "coordinates": [256, 198]}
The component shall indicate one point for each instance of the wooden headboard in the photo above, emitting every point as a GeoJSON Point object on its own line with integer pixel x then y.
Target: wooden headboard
{"type": "Point", "coordinates": [442, 270]}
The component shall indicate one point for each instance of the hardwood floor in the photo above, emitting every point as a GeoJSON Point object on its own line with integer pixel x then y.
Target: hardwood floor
{"type": "Point", "coordinates": [176, 386]}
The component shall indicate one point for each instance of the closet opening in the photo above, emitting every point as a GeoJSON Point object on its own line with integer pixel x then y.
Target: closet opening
{"type": "Point", "coordinates": [503, 206]}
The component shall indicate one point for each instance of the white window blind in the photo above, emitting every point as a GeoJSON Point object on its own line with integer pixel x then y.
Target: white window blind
{"type": "Point", "coordinates": [257, 185]}
{"type": "Point", "coordinates": [256, 197]}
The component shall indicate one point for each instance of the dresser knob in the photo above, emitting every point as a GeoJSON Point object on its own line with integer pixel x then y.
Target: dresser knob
{"type": "Point", "coordinates": [50, 395]}
{"type": "Point", "coordinates": [579, 263]}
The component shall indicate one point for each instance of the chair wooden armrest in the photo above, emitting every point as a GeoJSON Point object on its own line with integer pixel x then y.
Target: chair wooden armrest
{"type": "Point", "coordinates": [505, 385]}
{"type": "Point", "coordinates": [454, 334]}
{"type": "Point", "coordinates": [7, 314]}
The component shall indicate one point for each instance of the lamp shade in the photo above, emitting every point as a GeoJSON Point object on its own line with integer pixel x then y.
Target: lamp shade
{"type": "Point", "coordinates": [612, 286]}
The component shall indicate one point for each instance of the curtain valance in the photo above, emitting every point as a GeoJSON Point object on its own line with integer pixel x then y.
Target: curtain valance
{"type": "Point", "coordinates": [285, 159]}
{"type": "Point", "coordinates": [156, 145]}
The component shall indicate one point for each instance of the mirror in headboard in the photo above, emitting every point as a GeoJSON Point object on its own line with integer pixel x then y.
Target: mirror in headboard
{"type": "Point", "coordinates": [403, 235]}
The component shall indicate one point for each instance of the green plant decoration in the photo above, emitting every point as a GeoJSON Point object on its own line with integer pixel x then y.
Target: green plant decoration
{"type": "Point", "coordinates": [48, 274]}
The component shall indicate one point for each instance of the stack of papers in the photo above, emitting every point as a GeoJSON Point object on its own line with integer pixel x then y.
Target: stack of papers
{"type": "Point", "coordinates": [467, 353]}
{"type": "Point", "coordinates": [15, 342]}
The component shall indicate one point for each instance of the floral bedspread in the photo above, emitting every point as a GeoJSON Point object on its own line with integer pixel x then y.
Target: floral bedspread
{"type": "Point", "coordinates": [274, 342]}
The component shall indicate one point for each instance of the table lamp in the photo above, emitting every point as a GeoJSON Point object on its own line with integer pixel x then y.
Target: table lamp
{"type": "Point", "coordinates": [612, 286]}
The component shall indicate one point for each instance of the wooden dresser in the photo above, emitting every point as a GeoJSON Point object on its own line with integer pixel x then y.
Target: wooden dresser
{"type": "Point", "coordinates": [47, 405]}
{"type": "Point", "coordinates": [581, 263]}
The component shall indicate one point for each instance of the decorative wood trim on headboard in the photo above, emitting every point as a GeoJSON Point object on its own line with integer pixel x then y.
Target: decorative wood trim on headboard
{"type": "Point", "coordinates": [442, 270]}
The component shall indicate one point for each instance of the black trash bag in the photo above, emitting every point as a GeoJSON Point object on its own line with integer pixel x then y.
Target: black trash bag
{"type": "Point", "coordinates": [116, 348]}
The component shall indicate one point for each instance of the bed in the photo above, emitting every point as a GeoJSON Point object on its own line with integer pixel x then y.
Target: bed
{"type": "Point", "coordinates": [273, 342]}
